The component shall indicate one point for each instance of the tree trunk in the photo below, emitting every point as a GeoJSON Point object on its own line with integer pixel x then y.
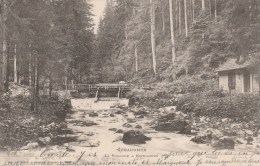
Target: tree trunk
{"type": "Point", "coordinates": [186, 18]}
{"type": "Point", "coordinates": [250, 11]}
{"type": "Point", "coordinates": [126, 34]}
{"type": "Point", "coordinates": [210, 13]}
{"type": "Point", "coordinates": [163, 18]}
{"type": "Point", "coordinates": [216, 15]}
{"type": "Point", "coordinates": [193, 10]}
{"type": "Point", "coordinates": [176, 15]}
{"type": "Point", "coordinates": [15, 65]}
{"type": "Point", "coordinates": [172, 32]}
{"type": "Point", "coordinates": [20, 74]}
{"type": "Point", "coordinates": [33, 75]}
{"type": "Point", "coordinates": [136, 59]}
{"type": "Point", "coordinates": [35, 84]}
{"type": "Point", "coordinates": [1, 73]}
{"type": "Point", "coordinates": [4, 55]}
{"type": "Point", "coordinates": [152, 15]}
{"type": "Point", "coordinates": [180, 27]}
{"type": "Point", "coordinates": [203, 5]}
{"type": "Point", "coordinates": [7, 73]}
{"type": "Point", "coordinates": [50, 86]}
{"type": "Point", "coordinates": [30, 65]}
{"type": "Point", "coordinates": [3, 17]}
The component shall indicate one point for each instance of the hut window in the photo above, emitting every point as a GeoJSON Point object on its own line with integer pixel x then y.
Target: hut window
{"type": "Point", "coordinates": [232, 80]}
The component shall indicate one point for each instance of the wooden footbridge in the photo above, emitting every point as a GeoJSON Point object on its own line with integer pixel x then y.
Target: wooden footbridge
{"type": "Point", "coordinates": [101, 91]}
{"type": "Point", "coordinates": [90, 87]}
{"type": "Point", "coordinates": [105, 91]}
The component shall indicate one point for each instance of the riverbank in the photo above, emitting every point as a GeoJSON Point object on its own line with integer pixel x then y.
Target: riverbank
{"type": "Point", "coordinates": [19, 126]}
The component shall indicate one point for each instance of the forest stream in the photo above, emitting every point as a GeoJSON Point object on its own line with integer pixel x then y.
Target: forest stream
{"type": "Point", "coordinates": [94, 136]}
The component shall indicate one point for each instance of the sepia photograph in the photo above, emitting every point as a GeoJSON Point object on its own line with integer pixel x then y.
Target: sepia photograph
{"type": "Point", "coordinates": [129, 82]}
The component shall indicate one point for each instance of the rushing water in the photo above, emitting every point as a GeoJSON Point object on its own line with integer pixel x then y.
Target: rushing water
{"type": "Point", "coordinates": [91, 140]}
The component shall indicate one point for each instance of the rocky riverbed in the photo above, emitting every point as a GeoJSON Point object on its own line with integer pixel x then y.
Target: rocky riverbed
{"type": "Point", "coordinates": [106, 132]}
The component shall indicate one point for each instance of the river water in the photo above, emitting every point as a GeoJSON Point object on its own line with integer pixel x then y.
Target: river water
{"type": "Point", "coordinates": [99, 144]}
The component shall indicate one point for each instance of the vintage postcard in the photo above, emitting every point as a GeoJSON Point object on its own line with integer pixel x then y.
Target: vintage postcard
{"type": "Point", "coordinates": [129, 82]}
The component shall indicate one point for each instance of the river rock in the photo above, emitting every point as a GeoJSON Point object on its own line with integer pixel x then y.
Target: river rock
{"type": "Point", "coordinates": [167, 118]}
{"type": "Point", "coordinates": [249, 133]}
{"type": "Point", "coordinates": [112, 129]}
{"type": "Point", "coordinates": [140, 112]}
{"type": "Point", "coordinates": [32, 145]}
{"type": "Point", "coordinates": [51, 125]}
{"type": "Point", "coordinates": [82, 138]}
{"type": "Point", "coordinates": [70, 149]}
{"type": "Point", "coordinates": [119, 138]}
{"type": "Point", "coordinates": [93, 114]}
{"type": "Point", "coordinates": [66, 138]}
{"type": "Point", "coordinates": [119, 112]}
{"type": "Point", "coordinates": [112, 115]}
{"type": "Point", "coordinates": [127, 125]}
{"type": "Point", "coordinates": [235, 126]}
{"type": "Point", "coordinates": [62, 125]}
{"type": "Point", "coordinates": [90, 134]}
{"type": "Point", "coordinates": [135, 137]}
{"type": "Point", "coordinates": [120, 131]}
{"type": "Point", "coordinates": [129, 120]}
{"type": "Point", "coordinates": [180, 115]}
{"type": "Point", "coordinates": [239, 141]}
{"type": "Point", "coordinates": [225, 120]}
{"type": "Point", "coordinates": [65, 131]}
{"type": "Point", "coordinates": [87, 123]}
{"type": "Point", "coordinates": [85, 144]}
{"type": "Point", "coordinates": [249, 140]}
{"type": "Point", "coordinates": [181, 126]}
{"type": "Point", "coordinates": [139, 116]}
{"type": "Point", "coordinates": [207, 136]}
{"type": "Point", "coordinates": [44, 141]}
{"type": "Point", "coordinates": [167, 110]}
{"type": "Point", "coordinates": [138, 127]}
{"type": "Point", "coordinates": [214, 133]}
{"type": "Point", "coordinates": [24, 148]}
{"type": "Point", "coordinates": [224, 143]}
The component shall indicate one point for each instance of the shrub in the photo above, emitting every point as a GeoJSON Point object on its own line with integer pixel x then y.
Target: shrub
{"type": "Point", "coordinates": [239, 107]}
{"type": "Point", "coordinates": [18, 124]}
{"type": "Point", "coordinates": [191, 84]}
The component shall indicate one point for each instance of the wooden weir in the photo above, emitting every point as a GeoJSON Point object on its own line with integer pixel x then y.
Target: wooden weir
{"type": "Point", "coordinates": [118, 89]}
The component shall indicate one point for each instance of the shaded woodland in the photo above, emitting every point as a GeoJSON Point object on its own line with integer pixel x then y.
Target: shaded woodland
{"type": "Point", "coordinates": [44, 42]}
{"type": "Point", "coordinates": [160, 40]}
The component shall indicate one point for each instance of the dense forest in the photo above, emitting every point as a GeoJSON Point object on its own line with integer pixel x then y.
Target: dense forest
{"type": "Point", "coordinates": [44, 42]}
{"type": "Point", "coordinates": [48, 43]}
{"type": "Point", "coordinates": [160, 40]}
{"type": "Point", "coordinates": [173, 46]}
{"type": "Point", "coordinates": [179, 43]}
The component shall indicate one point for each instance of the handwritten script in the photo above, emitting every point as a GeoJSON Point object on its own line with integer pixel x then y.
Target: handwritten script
{"type": "Point", "coordinates": [137, 158]}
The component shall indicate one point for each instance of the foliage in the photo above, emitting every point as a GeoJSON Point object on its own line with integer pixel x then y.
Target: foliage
{"type": "Point", "coordinates": [19, 125]}
{"type": "Point", "coordinates": [238, 107]}
{"type": "Point", "coordinates": [211, 40]}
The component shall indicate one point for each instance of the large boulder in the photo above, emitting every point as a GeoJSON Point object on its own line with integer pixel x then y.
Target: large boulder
{"type": "Point", "coordinates": [181, 126]}
{"type": "Point", "coordinates": [135, 137]}
{"type": "Point", "coordinates": [207, 136]}
{"type": "Point", "coordinates": [224, 143]}
{"type": "Point", "coordinates": [167, 118]}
